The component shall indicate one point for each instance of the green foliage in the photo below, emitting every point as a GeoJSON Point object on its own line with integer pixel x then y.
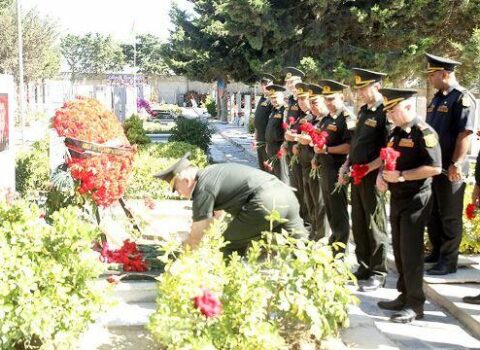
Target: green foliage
{"type": "Point", "coordinates": [239, 39]}
{"type": "Point", "coordinates": [92, 53]}
{"type": "Point", "coordinates": [285, 292]}
{"type": "Point", "coordinates": [32, 171]}
{"type": "Point", "coordinates": [193, 131]}
{"type": "Point", "coordinates": [41, 57]}
{"type": "Point", "coordinates": [471, 229]}
{"type": "Point", "coordinates": [158, 127]}
{"type": "Point", "coordinates": [210, 105]}
{"type": "Point", "coordinates": [47, 294]}
{"type": "Point", "coordinates": [153, 158]}
{"type": "Point", "coordinates": [251, 124]}
{"type": "Point", "coordinates": [148, 54]}
{"type": "Point", "coordinates": [135, 132]}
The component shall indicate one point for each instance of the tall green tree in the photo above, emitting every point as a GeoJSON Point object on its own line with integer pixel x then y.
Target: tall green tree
{"type": "Point", "coordinates": [41, 57]}
{"type": "Point", "coordinates": [149, 58]}
{"type": "Point", "coordinates": [92, 53]}
{"type": "Point", "coordinates": [241, 38]}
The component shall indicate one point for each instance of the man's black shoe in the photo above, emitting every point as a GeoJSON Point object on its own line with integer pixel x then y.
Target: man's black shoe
{"type": "Point", "coordinates": [373, 283]}
{"type": "Point", "coordinates": [432, 258]}
{"type": "Point", "coordinates": [393, 305]}
{"type": "Point", "coordinates": [472, 300]}
{"type": "Point", "coordinates": [361, 275]}
{"type": "Point", "coordinates": [406, 315]}
{"type": "Point", "coordinates": [441, 269]}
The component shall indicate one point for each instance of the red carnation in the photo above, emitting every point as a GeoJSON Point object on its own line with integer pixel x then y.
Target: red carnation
{"type": "Point", "coordinates": [208, 304]}
{"type": "Point", "coordinates": [281, 152]}
{"type": "Point", "coordinates": [358, 173]}
{"type": "Point", "coordinates": [319, 139]}
{"type": "Point", "coordinates": [389, 156]}
{"type": "Point", "coordinates": [291, 120]}
{"type": "Point", "coordinates": [471, 211]}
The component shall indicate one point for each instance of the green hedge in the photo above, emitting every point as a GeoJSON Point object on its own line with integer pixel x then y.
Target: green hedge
{"type": "Point", "coordinates": [192, 131]}
{"type": "Point", "coordinates": [47, 294]}
{"type": "Point", "coordinates": [135, 132]}
{"type": "Point", "coordinates": [154, 158]}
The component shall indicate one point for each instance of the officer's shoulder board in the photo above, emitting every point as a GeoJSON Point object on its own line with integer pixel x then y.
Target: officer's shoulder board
{"type": "Point", "coordinates": [467, 99]}
{"type": "Point", "coordinates": [350, 120]}
{"type": "Point", "coordinates": [429, 136]}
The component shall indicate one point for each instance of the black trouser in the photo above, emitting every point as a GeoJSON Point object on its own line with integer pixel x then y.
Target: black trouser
{"type": "Point", "coordinates": [279, 165]}
{"type": "Point", "coordinates": [408, 217]}
{"type": "Point", "coordinates": [371, 240]}
{"type": "Point", "coordinates": [445, 226]}
{"type": "Point", "coordinates": [261, 154]}
{"type": "Point", "coordinates": [314, 204]}
{"type": "Point", "coordinates": [296, 181]}
{"type": "Point", "coordinates": [250, 222]}
{"type": "Point", "coordinates": [336, 204]}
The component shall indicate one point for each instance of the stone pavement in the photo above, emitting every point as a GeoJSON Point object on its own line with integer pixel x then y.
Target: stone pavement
{"type": "Point", "coordinates": [449, 323]}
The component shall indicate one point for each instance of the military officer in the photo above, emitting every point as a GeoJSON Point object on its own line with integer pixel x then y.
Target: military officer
{"type": "Point", "coordinates": [371, 132]}
{"type": "Point", "coordinates": [451, 113]}
{"type": "Point", "coordinates": [246, 193]}
{"type": "Point", "coordinates": [274, 133]}
{"type": "Point", "coordinates": [311, 181]}
{"type": "Point", "coordinates": [410, 187]}
{"type": "Point", "coordinates": [292, 77]}
{"type": "Point", "coordinates": [338, 124]}
{"type": "Point", "coordinates": [476, 200]}
{"type": "Point", "coordinates": [262, 113]}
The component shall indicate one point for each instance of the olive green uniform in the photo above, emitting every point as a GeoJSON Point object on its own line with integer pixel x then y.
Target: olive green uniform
{"type": "Point", "coordinates": [247, 194]}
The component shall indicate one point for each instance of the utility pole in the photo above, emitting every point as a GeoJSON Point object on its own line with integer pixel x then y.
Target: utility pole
{"type": "Point", "coordinates": [21, 92]}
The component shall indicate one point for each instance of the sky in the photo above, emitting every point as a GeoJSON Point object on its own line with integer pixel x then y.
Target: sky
{"type": "Point", "coordinates": [115, 17]}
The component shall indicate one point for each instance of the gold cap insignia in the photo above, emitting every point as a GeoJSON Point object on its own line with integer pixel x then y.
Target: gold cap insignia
{"type": "Point", "coordinates": [289, 75]}
{"type": "Point", "coordinates": [358, 79]}
{"type": "Point", "coordinates": [326, 89]}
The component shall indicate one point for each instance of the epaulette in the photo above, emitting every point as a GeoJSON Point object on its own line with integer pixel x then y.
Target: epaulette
{"type": "Point", "coordinates": [467, 99]}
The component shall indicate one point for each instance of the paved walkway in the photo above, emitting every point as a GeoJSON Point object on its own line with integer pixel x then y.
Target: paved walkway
{"type": "Point", "coordinates": [370, 328]}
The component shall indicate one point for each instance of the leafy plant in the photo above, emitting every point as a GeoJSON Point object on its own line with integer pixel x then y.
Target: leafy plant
{"type": "Point", "coordinates": [135, 132]}
{"type": "Point", "coordinates": [285, 292]}
{"type": "Point", "coordinates": [32, 170]}
{"type": "Point", "coordinates": [193, 131]}
{"type": "Point", "coordinates": [47, 294]}
{"type": "Point", "coordinates": [210, 105]}
{"type": "Point", "coordinates": [150, 160]}
{"type": "Point", "coordinates": [251, 124]}
{"type": "Point", "coordinates": [158, 127]}
{"type": "Point", "coordinates": [471, 229]}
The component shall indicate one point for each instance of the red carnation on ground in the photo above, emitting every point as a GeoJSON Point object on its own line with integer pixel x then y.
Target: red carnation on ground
{"type": "Point", "coordinates": [208, 304]}
{"type": "Point", "coordinates": [389, 156]}
{"type": "Point", "coordinates": [358, 173]}
{"type": "Point", "coordinates": [128, 255]}
{"type": "Point", "coordinates": [471, 211]}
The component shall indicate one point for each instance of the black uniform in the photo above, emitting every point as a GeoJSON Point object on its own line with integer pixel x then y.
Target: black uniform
{"type": "Point", "coordinates": [295, 171]}
{"type": "Point", "coordinates": [449, 115]}
{"type": "Point", "coordinates": [336, 204]}
{"type": "Point", "coordinates": [313, 198]}
{"type": "Point", "coordinates": [274, 137]}
{"type": "Point", "coordinates": [477, 170]}
{"type": "Point", "coordinates": [262, 113]}
{"type": "Point", "coordinates": [410, 208]}
{"type": "Point", "coordinates": [247, 194]}
{"type": "Point", "coordinates": [371, 240]}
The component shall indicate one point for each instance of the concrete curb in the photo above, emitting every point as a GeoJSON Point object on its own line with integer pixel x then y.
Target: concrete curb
{"type": "Point", "coordinates": [470, 324]}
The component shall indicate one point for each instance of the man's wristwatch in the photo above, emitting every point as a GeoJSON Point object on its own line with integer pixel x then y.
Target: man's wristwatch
{"type": "Point", "coordinates": [326, 149]}
{"type": "Point", "coordinates": [401, 178]}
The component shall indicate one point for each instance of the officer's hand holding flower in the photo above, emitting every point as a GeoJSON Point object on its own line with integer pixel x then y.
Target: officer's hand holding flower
{"type": "Point", "coordinates": [319, 150]}
{"type": "Point", "coordinates": [295, 150]}
{"type": "Point", "coordinates": [454, 173]}
{"type": "Point", "coordinates": [391, 175]}
{"type": "Point", "coordinates": [382, 186]}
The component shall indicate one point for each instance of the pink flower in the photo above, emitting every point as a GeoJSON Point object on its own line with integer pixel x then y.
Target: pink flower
{"type": "Point", "coordinates": [208, 304]}
{"type": "Point", "coordinates": [389, 156]}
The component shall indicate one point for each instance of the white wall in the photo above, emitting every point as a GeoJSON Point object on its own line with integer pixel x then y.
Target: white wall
{"type": "Point", "coordinates": [7, 157]}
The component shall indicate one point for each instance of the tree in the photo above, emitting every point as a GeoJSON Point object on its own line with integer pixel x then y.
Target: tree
{"type": "Point", "coordinates": [41, 58]}
{"type": "Point", "coordinates": [149, 57]}
{"type": "Point", "coordinates": [242, 38]}
{"type": "Point", "coordinates": [92, 53]}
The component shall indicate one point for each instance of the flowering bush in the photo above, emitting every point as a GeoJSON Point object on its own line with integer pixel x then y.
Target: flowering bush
{"type": "Point", "coordinates": [47, 294]}
{"type": "Point", "coordinates": [102, 176]}
{"type": "Point", "coordinates": [471, 227]}
{"type": "Point", "coordinates": [284, 292]}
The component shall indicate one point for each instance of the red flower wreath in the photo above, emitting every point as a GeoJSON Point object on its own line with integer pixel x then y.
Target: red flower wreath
{"type": "Point", "coordinates": [102, 176]}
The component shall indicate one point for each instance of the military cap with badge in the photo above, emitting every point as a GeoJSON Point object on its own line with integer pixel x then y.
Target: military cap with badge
{"type": "Point", "coordinates": [365, 77]}
{"type": "Point", "coordinates": [170, 174]}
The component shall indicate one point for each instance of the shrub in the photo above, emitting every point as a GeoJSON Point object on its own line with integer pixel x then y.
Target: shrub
{"type": "Point", "coordinates": [47, 294]}
{"type": "Point", "coordinates": [210, 105]}
{"type": "Point", "coordinates": [32, 170]}
{"type": "Point", "coordinates": [152, 159]}
{"type": "Point", "coordinates": [135, 132]}
{"type": "Point", "coordinates": [193, 131]}
{"type": "Point", "coordinates": [471, 229]}
{"type": "Point", "coordinates": [251, 124]}
{"type": "Point", "coordinates": [286, 291]}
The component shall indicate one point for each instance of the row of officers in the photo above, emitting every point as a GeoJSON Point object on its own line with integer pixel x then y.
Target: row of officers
{"type": "Point", "coordinates": [426, 188]}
